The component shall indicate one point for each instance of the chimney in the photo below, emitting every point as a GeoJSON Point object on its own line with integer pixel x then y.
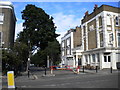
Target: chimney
{"type": "Point", "coordinates": [95, 7]}
{"type": "Point", "coordinates": [86, 13]}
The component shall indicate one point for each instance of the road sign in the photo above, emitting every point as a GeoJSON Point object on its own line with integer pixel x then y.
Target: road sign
{"type": "Point", "coordinates": [10, 78]}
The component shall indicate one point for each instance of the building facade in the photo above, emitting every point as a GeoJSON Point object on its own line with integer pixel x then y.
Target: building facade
{"type": "Point", "coordinates": [70, 41]}
{"type": "Point", "coordinates": [98, 42]}
{"type": "Point", "coordinates": [7, 24]}
{"type": "Point", "coordinates": [101, 37]}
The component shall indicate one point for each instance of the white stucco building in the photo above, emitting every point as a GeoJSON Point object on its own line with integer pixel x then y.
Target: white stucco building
{"type": "Point", "coordinates": [70, 41]}
{"type": "Point", "coordinates": [101, 37]}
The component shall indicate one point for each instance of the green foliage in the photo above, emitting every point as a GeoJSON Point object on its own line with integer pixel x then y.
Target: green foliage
{"type": "Point", "coordinates": [53, 51]}
{"type": "Point", "coordinates": [39, 58]}
{"type": "Point", "coordinates": [39, 33]}
{"type": "Point", "coordinates": [14, 58]}
{"type": "Point", "coordinates": [38, 27]}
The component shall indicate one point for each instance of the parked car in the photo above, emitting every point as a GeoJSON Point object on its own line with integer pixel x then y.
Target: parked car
{"type": "Point", "coordinates": [118, 65]}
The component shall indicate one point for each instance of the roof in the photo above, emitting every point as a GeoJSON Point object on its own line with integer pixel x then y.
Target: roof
{"type": "Point", "coordinates": [99, 10]}
{"type": "Point", "coordinates": [6, 3]}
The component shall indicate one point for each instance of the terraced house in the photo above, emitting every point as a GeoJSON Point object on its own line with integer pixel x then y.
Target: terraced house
{"type": "Point", "coordinates": [100, 43]}
{"type": "Point", "coordinates": [101, 37]}
{"type": "Point", "coordinates": [7, 24]}
{"type": "Point", "coordinates": [71, 40]}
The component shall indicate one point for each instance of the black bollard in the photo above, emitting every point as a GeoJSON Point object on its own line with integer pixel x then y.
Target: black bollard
{"type": "Point", "coordinates": [96, 69]}
{"type": "Point", "coordinates": [28, 73]}
{"type": "Point", "coordinates": [83, 69]}
{"type": "Point", "coordinates": [111, 69]}
{"type": "Point", "coordinates": [45, 70]}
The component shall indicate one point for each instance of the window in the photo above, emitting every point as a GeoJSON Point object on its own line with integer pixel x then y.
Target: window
{"type": "Point", "coordinates": [110, 37]}
{"type": "Point", "coordinates": [1, 18]}
{"type": "Point", "coordinates": [116, 21]}
{"type": "Point", "coordinates": [108, 20]}
{"type": "Point", "coordinates": [0, 39]}
{"type": "Point", "coordinates": [63, 44]}
{"type": "Point", "coordinates": [86, 58]}
{"type": "Point", "coordinates": [68, 42]}
{"type": "Point", "coordinates": [100, 21]}
{"type": "Point", "coordinates": [105, 58]}
{"type": "Point", "coordinates": [84, 30]}
{"type": "Point", "coordinates": [109, 59]}
{"type": "Point", "coordinates": [91, 27]}
{"type": "Point", "coordinates": [93, 57]}
{"type": "Point", "coordinates": [98, 58]}
{"type": "Point", "coordinates": [118, 39]}
{"type": "Point", "coordinates": [111, 40]}
{"type": "Point", "coordinates": [101, 39]}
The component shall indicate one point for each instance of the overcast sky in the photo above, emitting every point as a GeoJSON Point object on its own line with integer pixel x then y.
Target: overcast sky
{"type": "Point", "coordinates": [66, 14]}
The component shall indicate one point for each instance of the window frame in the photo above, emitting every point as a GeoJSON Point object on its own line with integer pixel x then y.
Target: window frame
{"type": "Point", "coordinates": [1, 18]}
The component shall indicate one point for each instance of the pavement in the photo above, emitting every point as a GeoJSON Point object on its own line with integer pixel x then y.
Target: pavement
{"type": "Point", "coordinates": [59, 75]}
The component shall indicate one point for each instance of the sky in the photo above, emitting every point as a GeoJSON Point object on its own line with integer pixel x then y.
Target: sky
{"type": "Point", "coordinates": [66, 15]}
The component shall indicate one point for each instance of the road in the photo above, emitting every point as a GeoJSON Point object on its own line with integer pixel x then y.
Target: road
{"type": "Point", "coordinates": [67, 79]}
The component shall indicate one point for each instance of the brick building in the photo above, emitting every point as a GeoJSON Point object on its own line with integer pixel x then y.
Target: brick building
{"type": "Point", "coordinates": [7, 24]}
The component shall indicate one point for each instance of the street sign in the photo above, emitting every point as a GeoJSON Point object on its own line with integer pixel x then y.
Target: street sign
{"type": "Point", "coordinates": [10, 78]}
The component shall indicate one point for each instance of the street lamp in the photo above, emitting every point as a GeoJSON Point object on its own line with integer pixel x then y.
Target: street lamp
{"type": "Point", "coordinates": [28, 62]}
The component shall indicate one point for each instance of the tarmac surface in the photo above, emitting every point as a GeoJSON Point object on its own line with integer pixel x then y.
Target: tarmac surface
{"type": "Point", "coordinates": [66, 79]}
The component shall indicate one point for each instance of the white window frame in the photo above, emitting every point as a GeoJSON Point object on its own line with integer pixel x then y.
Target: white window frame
{"type": "Point", "coordinates": [63, 44]}
{"type": "Point", "coordinates": [107, 58]}
{"type": "Point", "coordinates": [68, 41]}
{"type": "Point", "coordinates": [108, 20]}
{"type": "Point", "coordinates": [91, 27]}
{"type": "Point", "coordinates": [93, 58]}
{"type": "Point", "coordinates": [118, 39]}
{"type": "Point", "coordinates": [1, 18]}
{"type": "Point", "coordinates": [62, 53]}
{"type": "Point", "coordinates": [111, 38]}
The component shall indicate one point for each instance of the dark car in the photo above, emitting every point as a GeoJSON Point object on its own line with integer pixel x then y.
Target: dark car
{"type": "Point", "coordinates": [118, 65]}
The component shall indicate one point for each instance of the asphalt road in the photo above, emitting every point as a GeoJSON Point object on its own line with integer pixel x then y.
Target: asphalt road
{"type": "Point", "coordinates": [67, 79]}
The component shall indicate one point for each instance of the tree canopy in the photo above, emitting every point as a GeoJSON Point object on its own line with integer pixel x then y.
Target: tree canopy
{"type": "Point", "coordinates": [39, 28]}
{"type": "Point", "coordinates": [39, 34]}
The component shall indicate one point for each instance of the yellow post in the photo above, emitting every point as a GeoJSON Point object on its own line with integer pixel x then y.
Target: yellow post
{"type": "Point", "coordinates": [10, 78]}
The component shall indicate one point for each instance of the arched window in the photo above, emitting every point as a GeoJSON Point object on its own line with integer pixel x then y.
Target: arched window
{"type": "Point", "coordinates": [116, 21]}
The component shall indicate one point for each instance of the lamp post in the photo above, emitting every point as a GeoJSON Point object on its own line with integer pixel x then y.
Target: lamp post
{"type": "Point", "coordinates": [28, 62]}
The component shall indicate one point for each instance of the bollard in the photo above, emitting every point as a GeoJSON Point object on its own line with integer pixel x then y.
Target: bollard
{"type": "Point", "coordinates": [111, 69]}
{"type": "Point", "coordinates": [10, 78]}
{"type": "Point", "coordinates": [45, 70]}
{"type": "Point", "coordinates": [78, 69]}
{"type": "Point", "coordinates": [83, 69]}
{"type": "Point", "coordinates": [96, 69]}
{"type": "Point", "coordinates": [51, 70]}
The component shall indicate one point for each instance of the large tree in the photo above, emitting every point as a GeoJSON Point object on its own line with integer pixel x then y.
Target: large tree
{"type": "Point", "coordinates": [39, 29]}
